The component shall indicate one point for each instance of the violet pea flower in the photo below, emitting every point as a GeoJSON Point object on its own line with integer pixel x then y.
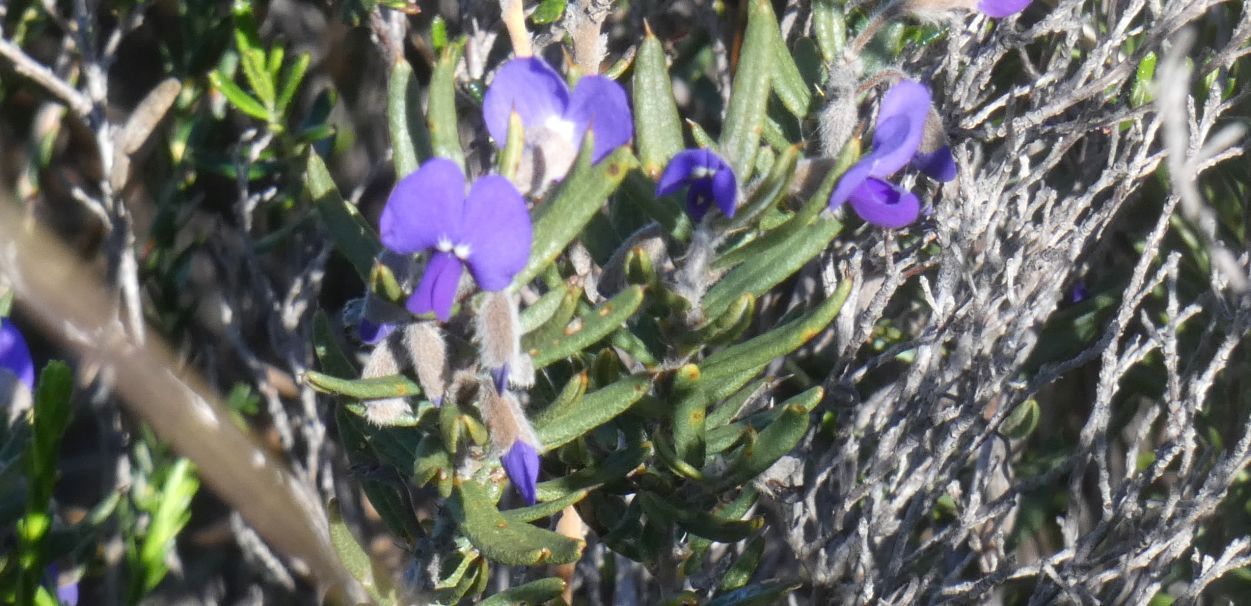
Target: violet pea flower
{"type": "Point", "coordinates": [487, 229]}
{"type": "Point", "coordinates": [555, 120]}
{"type": "Point", "coordinates": [897, 138]}
{"type": "Point", "coordinates": [15, 354]}
{"type": "Point", "coordinates": [999, 9]}
{"type": "Point", "coordinates": [521, 463]}
{"type": "Point", "coordinates": [708, 180]}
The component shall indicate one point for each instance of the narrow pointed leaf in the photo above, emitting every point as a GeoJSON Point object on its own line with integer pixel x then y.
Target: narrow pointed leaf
{"type": "Point", "coordinates": [534, 592]}
{"type": "Point", "coordinates": [583, 192]}
{"type": "Point", "coordinates": [542, 310]}
{"type": "Point", "coordinates": [505, 541]}
{"type": "Point", "coordinates": [588, 328]}
{"type": "Point", "coordinates": [750, 91]}
{"type": "Point", "coordinates": [761, 273]}
{"type": "Point", "coordinates": [614, 467]}
{"type": "Point", "coordinates": [595, 409]}
{"type": "Point", "coordinates": [237, 97]}
{"type": "Point", "coordinates": [789, 84]}
{"type": "Point", "coordinates": [657, 125]}
{"type": "Point", "coordinates": [377, 388]}
{"type": "Point", "coordinates": [410, 140]}
{"type": "Point", "coordinates": [441, 107]}
{"type": "Point", "coordinates": [703, 523]}
{"type": "Point", "coordinates": [352, 235]}
{"type": "Point", "coordinates": [721, 368]}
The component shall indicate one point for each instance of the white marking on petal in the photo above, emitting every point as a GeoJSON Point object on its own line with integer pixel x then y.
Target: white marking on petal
{"type": "Point", "coordinates": [461, 251]}
{"type": "Point", "coordinates": [444, 244]}
{"type": "Point", "coordinates": [560, 127]}
{"type": "Point", "coordinates": [702, 172]}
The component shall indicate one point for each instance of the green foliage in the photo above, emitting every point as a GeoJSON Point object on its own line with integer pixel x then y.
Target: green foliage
{"type": "Point", "coordinates": [50, 417]}
{"type": "Point", "coordinates": [168, 509]}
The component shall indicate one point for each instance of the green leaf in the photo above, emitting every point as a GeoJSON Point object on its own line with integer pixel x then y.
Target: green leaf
{"type": "Point", "coordinates": [760, 594]}
{"type": "Point", "coordinates": [595, 409]}
{"type": "Point", "coordinates": [509, 161]}
{"type": "Point", "coordinates": [773, 239]}
{"type": "Point", "coordinates": [1140, 94]}
{"type": "Point", "coordinates": [295, 75]}
{"type": "Point", "coordinates": [582, 193]}
{"type": "Point", "coordinates": [505, 541]}
{"type": "Point", "coordinates": [333, 361]}
{"type": "Point", "coordinates": [727, 436]}
{"type": "Point", "coordinates": [688, 416]}
{"type": "Point", "coordinates": [354, 558]}
{"type": "Point", "coordinates": [50, 417]}
{"type": "Point", "coordinates": [657, 127]}
{"type": "Point", "coordinates": [588, 328]}
{"type": "Point", "coordinates": [568, 397]}
{"type": "Point", "coordinates": [830, 28]}
{"type": "Point", "coordinates": [377, 388]}
{"type": "Point", "coordinates": [744, 565]}
{"type": "Point", "coordinates": [726, 411]}
{"type": "Point", "coordinates": [235, 95]}
{"type": "Point", "coordinates": [1022, 421]}
{"type": "Point", "coordinates": [548, 11]}
{"type": "Point", "coordinates": [545, 509]}
{"type": "Point", "coordinates": [542, 310]}
{"type": "Point", "coordinates": [770, 191]}
{"type": "Point", "coordinates": [410, 140]}
{"type": "Point", "coordinates": [352, 235]}
{"type": "Point", "coordinates": [789, 84]}
{"type": "Point", "coordinates": [774, 441]}
{"type": "Point", "coordinates": [750, 92]}
{"type": "Point", "coordinates": [758, 274]}
{"type": "Point", "coordinates": [734, 510]}
{"type": "Point", "coordinates": [702, 523]}
{"type": "Point", "coordinates": [251, 53]}
{"type": "Point", "coordinates": [721, 369]}
{"type": "Point", "coordinates": [613, 467]}
{"type": "Point", "coordinates": [441, 106]}
{"type": "Point", "coordinates": [388, 500]}
{"type": "Point", "coordinates": [534, 592]}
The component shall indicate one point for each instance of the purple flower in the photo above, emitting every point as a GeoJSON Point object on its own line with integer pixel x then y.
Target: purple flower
{"type": "Point", "coordinates": [707, 178]}
{"type": "Point", "coordinates": [15, 355]}
{"type": "Point", "coordinates": [999, 9]}
{"type": "Point", "coordinates": [556, 120]}
{"type": "Point", "coordinates": [896, 140]}
{"type": "Point", "coordinates": [521, 463]}
{"type": "Point", "coordinates": [372, 333]}
{"type": "Point", "coordinates": [488, 230]}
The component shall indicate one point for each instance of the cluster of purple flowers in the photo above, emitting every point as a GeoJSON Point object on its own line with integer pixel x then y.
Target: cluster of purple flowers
{"type": "Point", "coordinates": [485, 225]}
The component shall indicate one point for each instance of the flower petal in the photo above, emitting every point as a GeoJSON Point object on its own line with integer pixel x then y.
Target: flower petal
{"type": "Point", "coordinates": [371, 333]}
{"type": "Point", "coordinates": [600, 103]}
{"type": "Point", "coordinates": [900, 126]}
{"type": "Point", "coordinates": [885, 204]}
{"type": "Point", "coordinates": [999, 9]}
{"type": "Point", "coordinates": [425, 207]}
{"type": "Point", "coordinates": [724, 189]}
{"type": "Point", "coordinates": [698, 199]}
{"type": "Point", "coordinates": [850, 181]}
{"type": "Point", "coordinates": [679, 170]}
{"type": "Point", "coordinates": [521, 463]}
{"type": "Point", "coordinates": [938, 164]}
{"type": "Point", "coordinates": [437, 290]}
{"type": "Point", "coordinates": [498, 232]}
{"type": "Point", "coordinates": [528, 86]}
{"type": "Point", "coordinates": [15, 354]}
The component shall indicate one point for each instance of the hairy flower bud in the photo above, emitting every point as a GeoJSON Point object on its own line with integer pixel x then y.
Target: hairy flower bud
{"type": "Point", "coordinates": [839, 117]}
{"type": "Point", "coordinates": [419, 346]}
{"type": "Point", "coordinates": [498, 330]}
